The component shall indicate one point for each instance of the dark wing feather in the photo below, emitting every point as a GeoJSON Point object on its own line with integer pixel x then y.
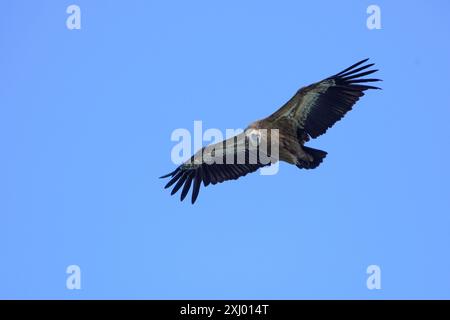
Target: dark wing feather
{"type": "Point", "coordinates": [317, 107]}
{"type": "Point", "coordinates": [212, 167]}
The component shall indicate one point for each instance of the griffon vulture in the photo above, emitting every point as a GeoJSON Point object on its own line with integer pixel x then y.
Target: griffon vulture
{"type": "Point", "coordinates": [309, 113]}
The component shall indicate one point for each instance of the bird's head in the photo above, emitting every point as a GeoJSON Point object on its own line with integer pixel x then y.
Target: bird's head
{"type": "Point", "coordinates": [253, 133]}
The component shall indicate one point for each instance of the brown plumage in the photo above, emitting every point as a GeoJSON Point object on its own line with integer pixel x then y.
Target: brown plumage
{"type": "Point", "coordinates": [309, 113]}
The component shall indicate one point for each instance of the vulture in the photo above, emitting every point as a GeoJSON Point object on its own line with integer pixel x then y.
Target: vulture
{"type": "Point", "coordinates": [279, 137]}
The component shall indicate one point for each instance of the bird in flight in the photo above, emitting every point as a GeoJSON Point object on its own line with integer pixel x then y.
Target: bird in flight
{"type": "Point", "coordinates": [279, 137]}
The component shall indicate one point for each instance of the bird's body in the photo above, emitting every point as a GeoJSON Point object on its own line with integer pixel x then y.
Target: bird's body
{"type": "Point", "coordinates": [289, 146]}
{"type": "Point", "coordinates": [279, 137]}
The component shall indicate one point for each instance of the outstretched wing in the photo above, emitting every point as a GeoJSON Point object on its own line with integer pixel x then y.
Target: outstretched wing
{"type": "Point", "coordinates": [317, 107]}
{"type": "Point", "coordinates": [227, 160]}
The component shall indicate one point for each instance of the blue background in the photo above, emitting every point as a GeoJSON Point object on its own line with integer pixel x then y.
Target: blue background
{"type": "Point", "coordinates": [85, 123]}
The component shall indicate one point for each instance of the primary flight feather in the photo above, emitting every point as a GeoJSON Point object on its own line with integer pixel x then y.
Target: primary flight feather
{"type": "Point", "coordinates": [309, 113]}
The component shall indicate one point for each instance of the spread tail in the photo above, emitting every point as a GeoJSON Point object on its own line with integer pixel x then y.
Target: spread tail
{"type": "Point", "coordinates": [317, 158]}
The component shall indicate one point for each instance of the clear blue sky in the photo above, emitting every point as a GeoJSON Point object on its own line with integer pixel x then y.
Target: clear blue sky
{"type": "Point", "coordinates": [85, 123]}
